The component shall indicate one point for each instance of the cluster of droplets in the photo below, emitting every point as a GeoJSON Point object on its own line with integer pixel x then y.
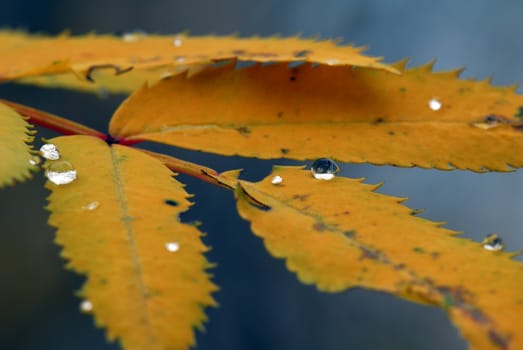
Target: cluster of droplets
{"type": "Point", "coordinates": [59, 172]}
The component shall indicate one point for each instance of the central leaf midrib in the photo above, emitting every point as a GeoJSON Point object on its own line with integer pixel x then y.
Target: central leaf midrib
{"type": "Point", "coordinates": [131, 239]}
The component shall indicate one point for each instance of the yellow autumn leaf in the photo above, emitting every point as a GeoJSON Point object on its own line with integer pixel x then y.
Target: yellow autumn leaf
{"type": "Point", "coordinates": [419, 118]}
{"type": "Point", "coordinates": [341, 234]}
{"type": "Point", "coordinates": [15, 135]}
{"type": "Point", "coordinates": [122, 64]}
{"type": "Point", "coordinates": [118, 224]}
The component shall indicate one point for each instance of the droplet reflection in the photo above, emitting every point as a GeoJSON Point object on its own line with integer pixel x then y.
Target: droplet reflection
{"type": "Point", "coordinates": [60, 172]}
{"type": "Point", "coordinates": [86, 306]}
{"type": "Point", "coordinates": [435, 104]}
{"type": "Point", "coordinates": [493, 242]}
{"type": "Point", "coordinates": [324, 169]}
{"type": "Point", "coordinates": [50, 151]}
{"type": "Point", "coordinates": [277, 180]}
{"type": "Point", "coordinates": [172, 246]}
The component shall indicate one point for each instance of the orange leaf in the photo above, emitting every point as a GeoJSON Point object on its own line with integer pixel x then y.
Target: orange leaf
{"type": "Point", "coordinates": [340, 234]}
{"type": "Point", "coordinates": [419, 118]}
{"type": "Point", "coordinates": [98, 58]}
{"type": "Point", "coordinates": [146, 279]}
{"type": "Point", "coordinates": [17, 160]}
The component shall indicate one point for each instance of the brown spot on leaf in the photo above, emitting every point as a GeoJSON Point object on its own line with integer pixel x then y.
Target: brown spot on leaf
{"type": "Point", "coordinates": [300, 197]}
{"type": "Point", "coordinates": [284, 150]}
{"type": "Point", "coordinates": [244, 130]}
{"type": "Point", "coordinates": [319, 226]}
{"type": "Point", "coordinates": [498, 339]}
{"type": "Point", "coordinates": [302, 53]}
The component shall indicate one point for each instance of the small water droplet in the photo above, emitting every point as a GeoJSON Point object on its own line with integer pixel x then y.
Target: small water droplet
{"type": "Point", "coordinates": [179, 59]}
{"type": "Point", "coordinates": [91, 206]}
{"type": "Point", "coordinates": [60, 172]}
{"type": "Point", "coordinates": [35, 160]}
{"type": "Point", "coordinates": [324, 169]}
{"type": "Point", "coordinates": [493, 242]}
{"type": "Point", "coordinates": [132, 37]}
{"type": "Point", "coordinates": [172, 246]}
{"type": "Point", "coordinates": [277, 180]}
{"type": "Point", "coordinates": [332, 62]}
{"type": "Point", "coordinates": [435, 104]}
{"type": "Point", "coordinates": [86, 306]}
{"type": "Point", "coordinates": [490, 121]}
{"type": "Point", "coordinates": [177, 41]}
{"type": "Point", "coordinates": [50, 151]}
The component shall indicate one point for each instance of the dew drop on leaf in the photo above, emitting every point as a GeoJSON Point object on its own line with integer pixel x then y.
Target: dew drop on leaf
{"type": "Point", "coordinates": [277, 180]}
{"type": "Point", "coordinates": [493, 242]}
{"type": "Point", "coordinates": [332, 62]}
{"type": "Point", "coordinates": [60, 172]}
{"type": "Point", "coordinates": [179, 59]}
{"type": "Point", "coordinates": [172, 246]}
{"type": "Point", "coordinates": [50, 151]}
{"type": "Point", "coordinates": [177, 41]}
{"type": "Point", "coordinates": [435, 104]}
{"type": "Point", "coordinates": [132, 37]}
{"type": "Point", "coordinates": [324, 169]}
{"type": "Point", "coordinates": [86, 306]}
{"type": "Point", "coordinates": [91, 206]}
{"type": "Point", "coordinates": [34, 161]}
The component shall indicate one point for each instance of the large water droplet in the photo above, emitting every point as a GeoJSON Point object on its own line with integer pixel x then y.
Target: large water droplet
{"type": "Point", "coordinates": [435, 104]}
{"type": "Point", "coordinates": [178, 41]}
{"type": "Point", "coordinates": [60, 172]}
{"type": "Point", "coordinates": [493, 242]}
{"type": "Point", "coordinates": [277, 180]}
{"type": "Point", "coordinates": [91, 206]}
{"type": "Point", "coordinates": [50, 151]}
{"type": "Point", "coordinates": [172, 246]}
{"type": "Point", "coordinates": [324, 169]}
{"type": "Point", "coordinates": [86, 306]}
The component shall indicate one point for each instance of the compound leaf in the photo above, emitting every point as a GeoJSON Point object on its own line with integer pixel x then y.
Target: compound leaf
{"type": "Point", "coordinates": [340, 234]}
{"type": "Point", "coordinates": [118, 224]}
{"type": "Point", "coordinates": [123, 63]}
{"type": "Point", "coordinates": [17, 160]}
{"type": "Point", "coordinates": [360, 115]}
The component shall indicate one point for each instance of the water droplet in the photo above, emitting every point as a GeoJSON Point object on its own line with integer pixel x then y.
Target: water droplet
{"type": "Point", "coordinates": [60, 172]}
{"type": "Point", "coordinates": [86, 306]}
{"type": "Point", "coordinates": [324, 169]}
{"type": "Point", "coordinates": [35, 160]}
{"type": "Point", "coordinates": [172, 246]}
{"type": "Point", "coordinates": [132, 37]}
{"type": "Point", "coordinates": [177, 41]}
{"type": "Point", "coordinates": [435, 104]}
{"type": "Point", "coordinates": [493, 242]}
{"type": "Point", "coordinates": [50, 151]}
{"type": "Point", "coordinates": [179, 59]}
{"type": "Point", "coordinates": [332, 61]}
{"type": "Point", "coordinates": [91, 206]}
{"type": "Point", "coordinates": [277, 180]}
{"type": "Point", "coordinates": [490, 121]}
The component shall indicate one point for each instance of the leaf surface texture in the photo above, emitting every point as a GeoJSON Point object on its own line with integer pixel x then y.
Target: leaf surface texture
{"type": "Point", "coordinates": [352, 115]}
{"type": "Point", "coordinates": [341, 234]}
{"type": "Point", "coordinates": [120, 64]}
{"type": "Point", "coordinates": [16, 156]}
{"type": "Point", "coordinates": [117, 223]}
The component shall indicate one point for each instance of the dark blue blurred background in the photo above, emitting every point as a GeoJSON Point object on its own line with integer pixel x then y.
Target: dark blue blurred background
{"type": "Point", "coordinates": [262, 306]}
